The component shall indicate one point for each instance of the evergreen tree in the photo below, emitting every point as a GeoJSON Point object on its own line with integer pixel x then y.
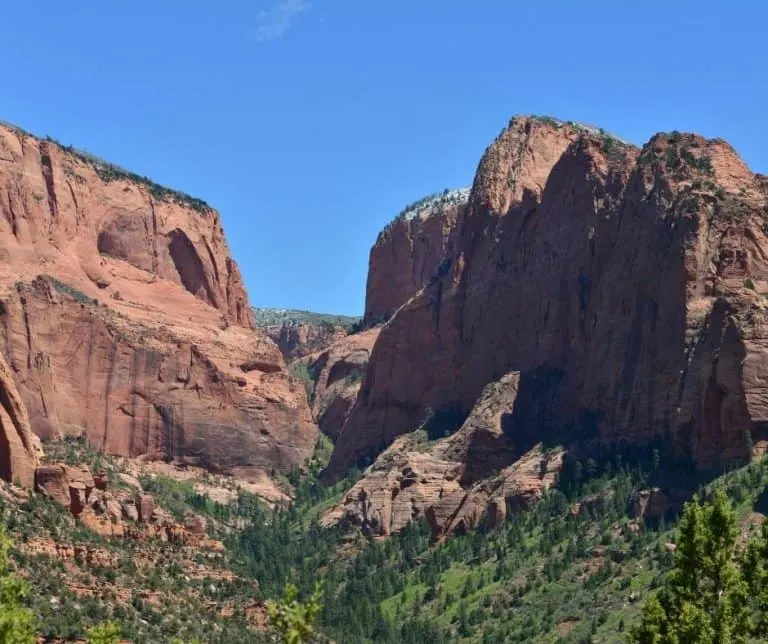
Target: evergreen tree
{"type": "Point", "coordinates": [755, 568]}
{"type": "Point", "coordinates": [705, 598]}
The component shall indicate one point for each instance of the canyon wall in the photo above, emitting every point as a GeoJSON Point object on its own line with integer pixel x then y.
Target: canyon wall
{"type": "Point", "coordinates": [626, 286]}
{"type": "Point", "coordinates": [124, 317]}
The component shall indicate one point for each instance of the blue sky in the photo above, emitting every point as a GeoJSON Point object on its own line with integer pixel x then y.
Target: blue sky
{"type": "Point", "coordinates": [310, 123]}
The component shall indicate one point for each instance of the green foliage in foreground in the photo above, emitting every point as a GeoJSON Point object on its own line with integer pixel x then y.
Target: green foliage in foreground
{"type": "Point", "coordinates": [108, 633]}
{"type": "Point", "coordinates": [708, 598]}
{"type": "Point", "coordinates": [292, 620]}
{"type": "Point", "coordinates": [17, 623]}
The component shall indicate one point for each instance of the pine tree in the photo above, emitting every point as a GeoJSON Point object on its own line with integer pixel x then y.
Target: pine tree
{"type": "Point", "coordinates": [109, 633]}
{"type": "Point", "coordinates": [705, 599]}
{"type": "Point", "coordinates": [755, 568]}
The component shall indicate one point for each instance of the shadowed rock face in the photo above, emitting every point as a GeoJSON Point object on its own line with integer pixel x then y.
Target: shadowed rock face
{"type": "Point", "coordinates": [626, 286]}
{"type": "Point", "coordinates": [124, 317]}
{"type": "Point", "coordinates": [476, 474]}
{"type": "Point", "coordinates": [337, 372]}
{"type": "Point", "coordinates": [19, 447]}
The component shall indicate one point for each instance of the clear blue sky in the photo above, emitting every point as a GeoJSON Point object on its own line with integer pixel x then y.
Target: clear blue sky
{"type": "Point", "coordinates": [309, 124]}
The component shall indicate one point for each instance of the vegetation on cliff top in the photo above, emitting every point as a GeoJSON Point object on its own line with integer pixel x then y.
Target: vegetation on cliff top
{"type": "Point", "coordinates": [108, 172]}
{"type": "Point", "coordinates": [270, 317]}
{"type": "Point", "coordinates": [433, 203]}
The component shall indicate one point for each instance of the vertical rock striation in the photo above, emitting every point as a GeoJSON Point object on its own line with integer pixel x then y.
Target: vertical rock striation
{"type": "Point", "coordinates": [125, 318]}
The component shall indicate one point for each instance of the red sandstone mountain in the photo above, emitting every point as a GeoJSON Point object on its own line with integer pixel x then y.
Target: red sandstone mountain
{"type": "Point", "coordinates": [409, 251]}
{"type": "Point", "coordinates": [124, 317]}
{"type": "Point", "coordinates": [627, 287]}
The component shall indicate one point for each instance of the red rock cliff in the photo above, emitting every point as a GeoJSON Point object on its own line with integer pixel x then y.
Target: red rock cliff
{"type": "Point", "coordinates": [124, 316]}
{"type": "Point", "coordinates": [409, 251]}
{"type": "Point", "coordinates": [19, 447]}
{"type": "Point", "coordinates": [627, 287]}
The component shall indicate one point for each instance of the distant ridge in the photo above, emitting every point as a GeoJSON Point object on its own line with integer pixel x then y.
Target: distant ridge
{"type": "Point", "coordinates": [267, 317]}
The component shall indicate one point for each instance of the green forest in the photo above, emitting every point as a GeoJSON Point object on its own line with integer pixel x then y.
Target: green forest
{"type": "Point", "coordinates": [577, 566]}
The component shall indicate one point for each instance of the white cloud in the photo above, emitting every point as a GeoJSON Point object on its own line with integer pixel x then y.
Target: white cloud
{"type": "Point", "coordinates": [274, 23]}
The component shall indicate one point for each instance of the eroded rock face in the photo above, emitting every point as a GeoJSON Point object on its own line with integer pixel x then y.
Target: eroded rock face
{"type": "Point", "coordinates": [409, 252]}
{"type": "Point", "coordinates": [117, 513]}
{"type": "Point", "coordinates": [123, 317]}
{"type": "Point", "coordinates": [337, 372]}
{"type": "Point", "coordinates": [298, 340]}
{"type": "Point", "coordinates": [68, 485]}
{"type": "Point", "coordinates": [397, 489]}
{"type": "Point", "coordinates": [626, 286]}
{"type": "Point", "coordinates": [477, 474]}
{"type": "Point", "coordinates": [19, 447]}
{"type": "Point", "coordinates": [653, 503]}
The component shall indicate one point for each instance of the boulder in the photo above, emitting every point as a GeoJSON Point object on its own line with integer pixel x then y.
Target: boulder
{"type": "Point", "coordinates": [101, 481]}
{"type": "Point", "coordinates": [53, 482]}
{"type": "Point", "coordinates": [130, 511]}
{"type": "Point", "coordinates": [145, 505]}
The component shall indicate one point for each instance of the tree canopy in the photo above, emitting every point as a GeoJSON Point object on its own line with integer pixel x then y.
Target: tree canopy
{"type": "Point", "coordinates": [715, 594]}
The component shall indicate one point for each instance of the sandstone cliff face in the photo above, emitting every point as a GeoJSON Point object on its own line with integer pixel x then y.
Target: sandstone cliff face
{"type": "Point", "coordinates": [627, 287]}
{"type": "Point", "coordinates": [124, 317]}
{"type": "Point", "coordinates": [337, 373]}
{"type": "Point", "coordinates": [298, 340]}
{"type": "Point", "coordinates": [408, 252]}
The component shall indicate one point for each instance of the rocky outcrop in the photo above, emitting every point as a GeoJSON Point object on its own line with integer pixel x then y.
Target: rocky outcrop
{"type": "Point", "coordinates": [298, 340]}
{"type": "Point", "coordinates": [19, 447]}
{"type": "Point", "coordinates": [118, 512]}
{"type": "Point", "coordinates": [512, 490]}
{"type": "Point", "coordinates": [652, 504]}
{"type": "Point", "coordinates": [626, 286]}
{"type": "Point", "coordinates": [456, 482]}
{"type": "Point", "coordinates": [399, 488]}
{"type": "Point", "coordinates": [409, 251]}
{"type": "Point", "coordinates": [335, 374]}
{"type": "Point", "coordinates": [123, 317]}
